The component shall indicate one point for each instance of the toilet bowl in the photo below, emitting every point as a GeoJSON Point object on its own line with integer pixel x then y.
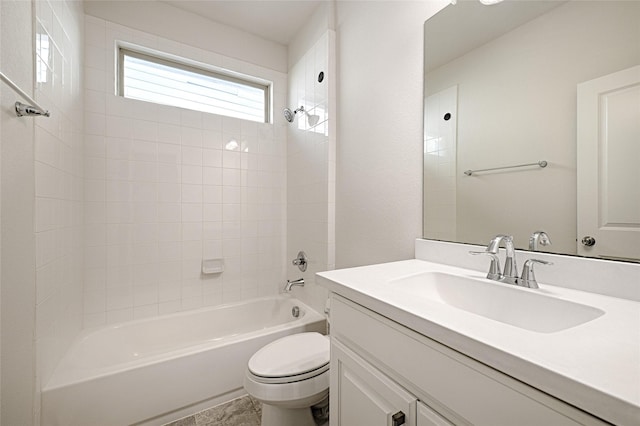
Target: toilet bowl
{"type": "Point", "coordinates": [290, 376]}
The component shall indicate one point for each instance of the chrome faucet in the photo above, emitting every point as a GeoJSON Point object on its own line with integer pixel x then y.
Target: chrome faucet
{"type": "Point", "coordinates": [299, 281]}
{"type": "Point", "coordinates": [538, 237]}
{"type": "Point", "coordinates": [510, 273]}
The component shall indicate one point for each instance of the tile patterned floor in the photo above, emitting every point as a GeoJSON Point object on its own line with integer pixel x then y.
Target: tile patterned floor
{"type": "Point", "coordinates": [244, 411]}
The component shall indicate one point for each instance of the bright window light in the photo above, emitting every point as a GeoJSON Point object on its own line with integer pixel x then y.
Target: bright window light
{"type": "Point", "coordinates": [168, 82]}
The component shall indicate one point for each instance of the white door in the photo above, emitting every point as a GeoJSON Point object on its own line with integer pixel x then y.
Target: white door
{"type": "Point", "coordinates": [609, 165]}
{"type": "Point", "coordinates": [363, 396]}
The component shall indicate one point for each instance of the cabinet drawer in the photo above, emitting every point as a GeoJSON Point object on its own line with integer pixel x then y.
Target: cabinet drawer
{"type": "Point", "coordinates": [462, 389]}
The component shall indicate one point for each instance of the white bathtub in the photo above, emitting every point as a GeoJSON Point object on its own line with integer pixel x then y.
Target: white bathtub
{"type": "Point", "coordinates": [159, 369]}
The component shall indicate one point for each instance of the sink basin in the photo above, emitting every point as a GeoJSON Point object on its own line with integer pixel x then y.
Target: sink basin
{"type": "Point", "coordinates": [519, 307]}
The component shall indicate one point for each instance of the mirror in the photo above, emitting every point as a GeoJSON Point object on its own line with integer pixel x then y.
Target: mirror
{"type": "Point", "coordinates": [500, 88]}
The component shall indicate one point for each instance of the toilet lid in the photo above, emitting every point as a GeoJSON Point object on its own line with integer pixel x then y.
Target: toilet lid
{"type": "Point", "coordinates": [291, 355]}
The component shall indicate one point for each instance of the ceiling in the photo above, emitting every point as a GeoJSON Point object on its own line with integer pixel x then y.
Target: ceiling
{"type": "Point", "coordinates": [459, 28]}
{"type": "Point", "coordinates": [275, 20]}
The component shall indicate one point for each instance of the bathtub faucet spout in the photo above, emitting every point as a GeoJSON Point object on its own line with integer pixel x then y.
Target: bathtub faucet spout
{"type": "Point", "coordinates": [299, 281]}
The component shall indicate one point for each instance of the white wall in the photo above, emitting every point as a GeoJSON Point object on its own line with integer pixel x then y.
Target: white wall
{"type": "Point", "coordinates": [18, 242]}
{"type": "Point", "coordinates": [514, 73]}
{"type": "Point", "coordinates": [379, 136]}
{"type": "Point", "coordinates": [163, 192]}
{"type": "Point", "coordinates": [164, 20]}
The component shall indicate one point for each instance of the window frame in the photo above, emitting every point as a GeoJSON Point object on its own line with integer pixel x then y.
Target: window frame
{"type": "Point", "coordinates": [187, 65]}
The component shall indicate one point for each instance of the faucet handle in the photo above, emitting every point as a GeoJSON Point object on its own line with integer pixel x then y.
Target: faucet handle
{"type": "Point", "coordinates": [528, 278]}
{"type": "Point", "coordinates": [494, 268]}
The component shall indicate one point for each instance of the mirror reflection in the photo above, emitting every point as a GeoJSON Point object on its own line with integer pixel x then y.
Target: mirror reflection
{"type": "Point", "coordinates": [515, 85]}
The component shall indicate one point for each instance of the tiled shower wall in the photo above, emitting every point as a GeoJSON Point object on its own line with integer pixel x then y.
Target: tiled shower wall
{"type": "Point", "coordinates": [165, 189]}
{"type": "Point", "coordinates": [311, 168]}
{"type": "Point", "coordinates": [58, 181]}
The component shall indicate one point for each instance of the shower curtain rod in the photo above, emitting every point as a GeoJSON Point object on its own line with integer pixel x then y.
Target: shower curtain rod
{"type": "Point", "coordinates": [21, 109]}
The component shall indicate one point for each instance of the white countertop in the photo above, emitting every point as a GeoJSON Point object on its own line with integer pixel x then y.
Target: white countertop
{"type": "Point", "coordinates": [594, 366]}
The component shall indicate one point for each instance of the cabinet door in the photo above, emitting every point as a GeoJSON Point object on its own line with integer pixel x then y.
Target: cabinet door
{"type": "Point", "coordinates": [363, 396]}
{"type": "Point", "coordinates": [428, 417]}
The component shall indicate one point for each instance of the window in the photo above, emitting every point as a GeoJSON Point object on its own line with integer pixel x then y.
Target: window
{"type": "Point", "coordinates": [169, 82]}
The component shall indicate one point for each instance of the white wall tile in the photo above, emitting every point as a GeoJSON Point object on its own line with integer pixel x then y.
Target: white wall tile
{"type": "Point", "coordinates": [158, 188]}
{"type": "Point", "coordinates": [169, 213]}
{"type": "Point", "coordinates": [59, 185]}
{"type": "Point", "coordinates": [169, 173]}
{"type": "Point", "coordinates": [145, 311]}
{"type": "Point", "coordinates": [192, 155]}
{"type": "Point", "coordinates": [231, 159]}
{"type": "Point", "coordinates": [169, 153]}
{"type": "Point", "coordinates": [191, 212]}
{"type": "Point", "coordinates": [145, 130]}
{"type": "Point", "coordinates": [212, 194]}
{"type": "Point", "coordinates": [213, 139]}
{"type": "Point", "coordinates": [169, 133]}
{"type": "Point", "coordinates": [212, 176]}
{"type": "Point", "coordinates": [143, 149]}
{"type": "Point", "coordinates": [145, 212]}
{"type": "Point", "coordinates": [190, 136]}
{"type": "Point", "coordinates": [192, 174]}
{"type": "Point", "coordinates": [232, 177]}
{"type": "Point", "coordinates": [119, 315]}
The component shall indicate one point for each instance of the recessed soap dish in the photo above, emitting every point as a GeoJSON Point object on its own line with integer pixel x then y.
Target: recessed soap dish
{"type": "Point", "coordinates": [212, 266]}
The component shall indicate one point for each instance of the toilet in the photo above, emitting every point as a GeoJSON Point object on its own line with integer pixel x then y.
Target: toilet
{"type": "Point", "coordinates": [290, 376]}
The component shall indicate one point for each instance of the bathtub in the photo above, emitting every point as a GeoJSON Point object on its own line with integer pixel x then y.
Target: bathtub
{"type": "Point", "coordinates": [156, 370]}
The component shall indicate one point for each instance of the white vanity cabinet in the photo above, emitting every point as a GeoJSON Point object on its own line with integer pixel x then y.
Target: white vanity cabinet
{"type": "Point", "coordinates": [383, 373]}
{"type": "Point", "coordinates": [366, 396]}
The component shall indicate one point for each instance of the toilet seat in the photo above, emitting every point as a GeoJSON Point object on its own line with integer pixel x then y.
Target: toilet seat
{"type": "Point", "coordinates": [289, 379]}
{"type": "Point", "coordinates": [291, 359]}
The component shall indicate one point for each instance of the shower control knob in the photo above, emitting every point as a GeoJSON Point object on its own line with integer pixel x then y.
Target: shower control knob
{"type": "Point", "coordinates": [588, 241]}
{"type": "Point", "coordinates": [301, 261]}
